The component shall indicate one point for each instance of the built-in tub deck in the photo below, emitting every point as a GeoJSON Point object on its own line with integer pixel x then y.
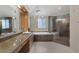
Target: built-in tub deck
{"type": "Point", "coordinates": [45, 33]}
{"type": "Point", "coordinates": [45, 36]}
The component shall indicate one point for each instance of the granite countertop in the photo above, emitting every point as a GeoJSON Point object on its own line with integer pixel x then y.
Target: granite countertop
{"type": "Point", "coordinates": [13, 43]}
{"type": "Point", "coordinates": [8, 34]}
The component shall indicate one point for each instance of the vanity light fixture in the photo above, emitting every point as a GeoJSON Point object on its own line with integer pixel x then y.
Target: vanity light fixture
{"type": "Point", "coordinates": [19, 6]}
{"type": "Point", "coordinates": [14, 17]}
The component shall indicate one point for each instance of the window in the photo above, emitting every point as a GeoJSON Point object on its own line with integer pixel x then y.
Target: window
{"type": "Point", "coordinates": [5, 24]}
{"type": "Point", "coordinates": [41, 22]}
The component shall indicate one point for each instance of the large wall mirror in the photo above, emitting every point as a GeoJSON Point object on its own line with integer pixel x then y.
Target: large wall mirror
{"type": "Point", "coordinates": [5, 24]}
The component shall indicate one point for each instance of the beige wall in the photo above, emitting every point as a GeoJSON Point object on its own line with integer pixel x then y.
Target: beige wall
{"type": "Point", "coordinates": [33, 22]}
{"type": "Point", "coordinates": [74, 28]}
{"type": "Point", "coordinates": [16, 22]}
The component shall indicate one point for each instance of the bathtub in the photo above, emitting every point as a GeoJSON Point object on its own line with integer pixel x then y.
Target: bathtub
{"type": "Point", "coordinates": [44, 36]}
{"type": "Point", "coordinates": [45, 33]}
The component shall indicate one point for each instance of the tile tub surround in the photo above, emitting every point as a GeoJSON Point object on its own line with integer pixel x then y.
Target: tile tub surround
{"type": "Point", "coordinates": [44, 36]}
{"type": "Point", "coordinates": [13, 44]}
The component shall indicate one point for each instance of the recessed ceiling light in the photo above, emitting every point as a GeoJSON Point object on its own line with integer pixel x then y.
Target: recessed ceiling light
{"type": "Point", "coordinates": [37, 11]}
{"type": "Point", "coordinates": [59, 8]}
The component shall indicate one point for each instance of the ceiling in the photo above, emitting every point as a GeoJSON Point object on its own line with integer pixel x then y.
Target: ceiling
{"type": "Point", "coordinates": [42, 10]}
{"type": "Point", "coordinates": [48, 10]}
{"type": "Point", "coordinates": [8, 10]}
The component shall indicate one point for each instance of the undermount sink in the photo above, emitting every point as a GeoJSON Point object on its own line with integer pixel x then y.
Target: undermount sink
{"type": "Point", "coordinates": [26, 32]}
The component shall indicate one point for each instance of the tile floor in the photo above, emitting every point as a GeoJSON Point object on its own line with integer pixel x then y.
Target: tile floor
{"type": "Point", "coordinates": [49, 47]}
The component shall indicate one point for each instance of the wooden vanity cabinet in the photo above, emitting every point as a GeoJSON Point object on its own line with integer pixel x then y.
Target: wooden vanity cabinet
{"type": "Point", "coordinates": [27, 46]}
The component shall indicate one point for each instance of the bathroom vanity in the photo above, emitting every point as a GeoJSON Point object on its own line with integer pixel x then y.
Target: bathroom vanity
{"type": "Point", "coordinates": [18, 43]}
